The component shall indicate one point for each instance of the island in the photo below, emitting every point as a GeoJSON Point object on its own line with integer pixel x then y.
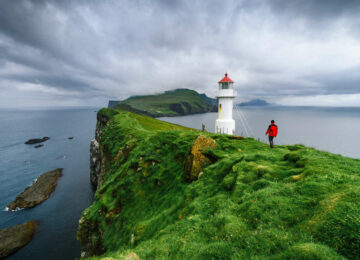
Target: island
{"type": "Point", "coordinates": [170, 103]}
{"type": "Point", "coordinates": [165, 191]}
{"type": "Point", "coordinates": [14, 238]}
{"type": "Point", "coordinates": [255, 102]}
{"type": "Point", "coordinates": [37, 140]}
{"type": "Point", "coordinates": [39, 191]}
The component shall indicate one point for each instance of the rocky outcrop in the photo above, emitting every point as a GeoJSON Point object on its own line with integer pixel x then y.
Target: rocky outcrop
{"type": "Point", "coordinates": [39, 191]}
{"type": "Point", "coordinates": [95, 162]}
{"type": "Point", "coordinates": [196, 160]}
{"type": "Point", "coordinates": [14, 238]}
{"type": "Point", "coordinates": [95, 152]}
{"type": "Point", "coordinates": [90, 244]}
{"type": "Point", "coordinates": [102, 120]}
{"type": "Point", "coordinates": [37, 140]}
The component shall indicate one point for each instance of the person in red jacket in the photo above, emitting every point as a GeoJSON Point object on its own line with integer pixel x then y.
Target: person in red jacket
{"type": "Point", "coordinates": [272, 131]}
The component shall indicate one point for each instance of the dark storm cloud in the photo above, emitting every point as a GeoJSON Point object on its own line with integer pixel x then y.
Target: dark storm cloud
{"type": "Point", "coordinates": [111, 49]}
{"type": "Point", "coordinates": [316, 10]}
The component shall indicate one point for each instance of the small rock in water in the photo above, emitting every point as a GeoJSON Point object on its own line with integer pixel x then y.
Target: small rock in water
{"type": "Point", "coordinates": [37, 140]}
{"type": "Point", "coordinates": [71, 137]}
{"type": "Point", "coordinates": [38, 146]}
{"type": "Point", "coordinates": [14, 238]}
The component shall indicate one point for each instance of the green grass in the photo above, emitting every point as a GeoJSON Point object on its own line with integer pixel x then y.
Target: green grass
{"type": "Point", "coordinates": [170, 103]}
{"type": "Point", "coordinates": [252, 202]}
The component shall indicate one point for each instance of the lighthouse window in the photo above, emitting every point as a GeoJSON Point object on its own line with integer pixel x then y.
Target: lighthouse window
{"type": "Point", "coordinates": [225, 85]}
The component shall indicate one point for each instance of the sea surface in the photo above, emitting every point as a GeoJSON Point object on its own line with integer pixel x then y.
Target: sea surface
{"type": "Point", "coordinates": [21, 164]}
{"type": "Point", "coordinates": [335, 130]}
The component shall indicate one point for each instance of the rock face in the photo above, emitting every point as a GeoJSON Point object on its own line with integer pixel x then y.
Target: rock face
{"type": "Point", "coordinates": [38, 192]}
{"type": "Point", "coordinates": [196, 160]}
{"type": "Point", "coordinates": [37, 140]}
{"type": "Point", "coordinates": [14, 238]}
{"type": "Point", "coordinates": [95, 162]}
{"type": "Point", "coordinates": [96, 151]}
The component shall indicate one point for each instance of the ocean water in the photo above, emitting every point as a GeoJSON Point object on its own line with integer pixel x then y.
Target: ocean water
{"type": "Point", "coordinates": [21, 164]}
{"type": "Point", "coordinates": [336, 130]}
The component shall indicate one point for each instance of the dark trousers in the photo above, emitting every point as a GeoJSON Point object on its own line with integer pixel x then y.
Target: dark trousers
{"type": "Point", "coordinates": [271, 141]}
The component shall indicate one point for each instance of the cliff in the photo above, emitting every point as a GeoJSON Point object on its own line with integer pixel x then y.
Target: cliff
{"type": "Point", "coordinates": [170, 103]}
{"type": "Point", "coordinates": [166, 191]}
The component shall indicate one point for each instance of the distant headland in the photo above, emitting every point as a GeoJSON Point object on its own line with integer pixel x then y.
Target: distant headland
{"type": "Point", "coordinates": [170, 103]}
{"type": "Point", "coordinates": [255, 102]}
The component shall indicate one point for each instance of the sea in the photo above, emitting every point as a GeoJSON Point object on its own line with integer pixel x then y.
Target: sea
{"type": "Point", "coordinates": [330, 129]}
{"type": "Point", "coordinates": [21, 164]}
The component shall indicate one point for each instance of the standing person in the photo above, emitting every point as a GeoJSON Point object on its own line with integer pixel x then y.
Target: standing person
{"type": "Point", "coordinates": [272, 131]}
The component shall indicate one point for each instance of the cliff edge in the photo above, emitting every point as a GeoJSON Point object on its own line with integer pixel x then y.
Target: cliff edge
{"type": "Point", "coordinates": [167, 191]}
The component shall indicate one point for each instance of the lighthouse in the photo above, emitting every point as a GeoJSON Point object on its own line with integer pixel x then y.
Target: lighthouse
{"type": "Point", "coordinates": [225, 124]}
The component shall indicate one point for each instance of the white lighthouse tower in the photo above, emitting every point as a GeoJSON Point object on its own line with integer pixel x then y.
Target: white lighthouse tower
{"type": "Point", "coordinates": [225, 124]}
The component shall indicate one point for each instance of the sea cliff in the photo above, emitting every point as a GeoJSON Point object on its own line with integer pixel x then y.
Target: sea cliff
{"type": "Point", "coordinates": [167, 191]}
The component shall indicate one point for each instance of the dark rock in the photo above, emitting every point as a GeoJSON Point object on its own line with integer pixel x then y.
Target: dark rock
{"type": "Point", "coordinates": [37, 140]}
{"type": "Point", "coordinates": [38, 146]}
{"type": "Point", "coordinates": [38, 192]}
{"type": "Point", "coordinates": [14, 238]}
{"type": "Point", "coordinates": [196, 160]}
{"type": "Point", "coordinates": [71, 137]}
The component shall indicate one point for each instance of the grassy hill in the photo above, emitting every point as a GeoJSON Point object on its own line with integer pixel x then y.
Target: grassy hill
{"type": "Point", "coordinates": [170, 103]}
{"type": "Point", "coordinates": [250, 202]}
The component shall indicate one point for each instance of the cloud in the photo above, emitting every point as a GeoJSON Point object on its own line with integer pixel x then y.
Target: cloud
{"type": "Point", "coordinates": [92, 51]}
{"type": "Point", "coordinates": [345, 100]}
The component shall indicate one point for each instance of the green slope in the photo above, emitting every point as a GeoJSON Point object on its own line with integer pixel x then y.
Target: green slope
{"type": "Point", "coordinates": [170, 103]}
{"type": "Point", "coordinates": [252, 202]}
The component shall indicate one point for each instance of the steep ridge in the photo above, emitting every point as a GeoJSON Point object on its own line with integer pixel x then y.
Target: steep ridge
{"type": "Point", "coordinates": [245, 200]}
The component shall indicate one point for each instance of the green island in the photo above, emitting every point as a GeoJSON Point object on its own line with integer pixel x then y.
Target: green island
{"type": "Point", "coordinates": [170, 103]}
{"type": "Point", "coordinates": [238, 199]}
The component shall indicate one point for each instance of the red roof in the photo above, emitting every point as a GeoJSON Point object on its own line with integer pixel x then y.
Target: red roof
{"type": "Point", "coordinates": [226, 79]}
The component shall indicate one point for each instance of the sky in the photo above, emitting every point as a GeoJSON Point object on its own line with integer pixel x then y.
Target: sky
{"type": "Point", "coordinates": [86, 52]}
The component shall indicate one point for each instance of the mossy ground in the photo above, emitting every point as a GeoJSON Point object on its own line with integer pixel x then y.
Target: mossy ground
{"type": "Point", "coordinates": [252, 202]}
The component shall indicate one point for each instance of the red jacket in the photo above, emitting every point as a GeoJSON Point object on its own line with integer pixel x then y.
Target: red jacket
{"type": "Point", "coordinates": [272, 130]}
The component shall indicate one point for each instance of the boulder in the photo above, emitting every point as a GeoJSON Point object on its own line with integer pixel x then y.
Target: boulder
{"type": "Point", "coordinates": [14, 238]}
{"type": "Point", "coordinates": [37, 140]}
{"type": "Point", "coordinates": [196, 160]}
{"type": "Point", "coordinates": [39, 191]}
{"type": "Point", "coordinates": [70, 137]}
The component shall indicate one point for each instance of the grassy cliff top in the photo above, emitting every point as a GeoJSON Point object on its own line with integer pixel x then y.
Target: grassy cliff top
{"type": "Point", "coordinates": [251, 202]}
{"type": "Point", "coordinates": [170, 103]}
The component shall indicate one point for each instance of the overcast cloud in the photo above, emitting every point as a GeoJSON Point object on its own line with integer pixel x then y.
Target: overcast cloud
{"type": "Point", "coordinates": [83, 53]}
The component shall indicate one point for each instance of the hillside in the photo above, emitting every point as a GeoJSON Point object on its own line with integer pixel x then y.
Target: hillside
{"type": "Point", "coordinates": [239, 199]}
{"type": "Point", "coordinates": [170, 103]}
